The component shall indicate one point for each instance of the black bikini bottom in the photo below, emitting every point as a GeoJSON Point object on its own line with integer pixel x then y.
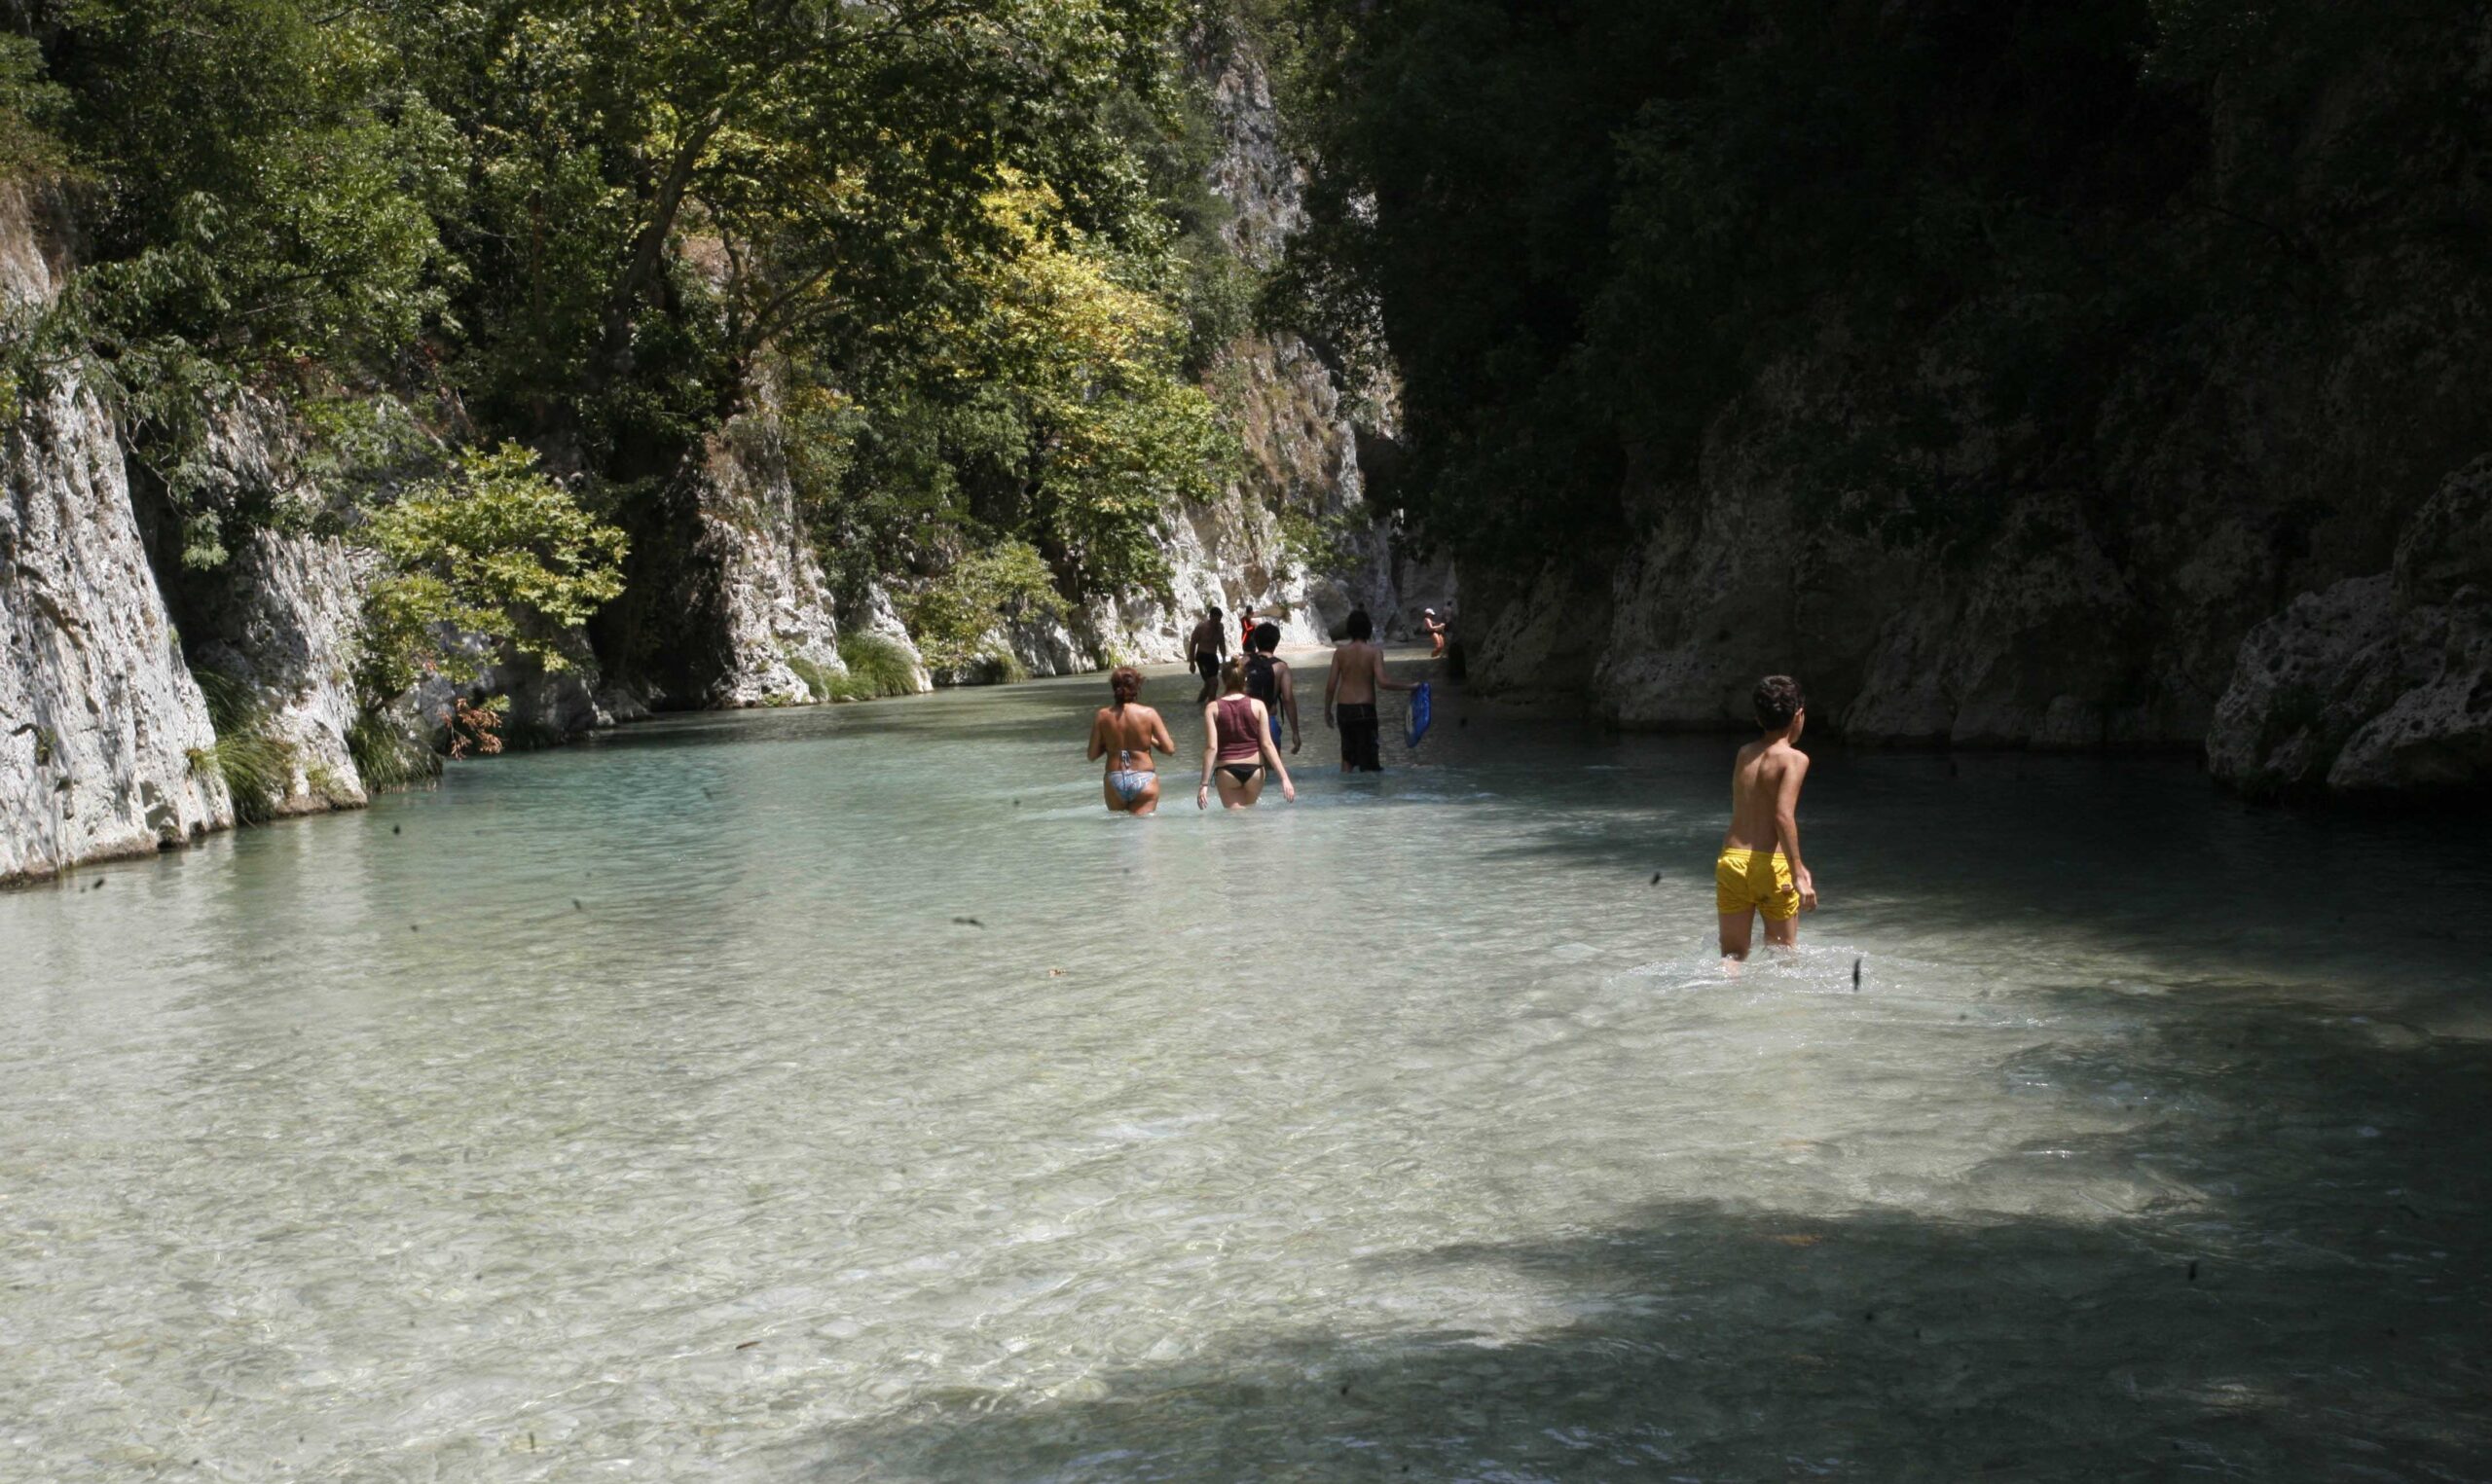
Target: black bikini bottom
{"type": "Point", "coordinates": [1244, 773]}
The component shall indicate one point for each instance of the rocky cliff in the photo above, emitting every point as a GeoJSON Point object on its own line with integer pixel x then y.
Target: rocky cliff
{"type": "Point", "coordinates": [99, 718]}
{"type": "Point", "coordinates": [728, 605]}
{"type": "Point", "coordinates": [2255, 535]}
{"type": "Point", "coordinates": [109, 742]}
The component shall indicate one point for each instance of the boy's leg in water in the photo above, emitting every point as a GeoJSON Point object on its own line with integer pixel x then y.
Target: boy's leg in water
{"type": "Point", "coordinates": [1734, 933]}
{"type": "Point", "coordinates": [1783, 933]}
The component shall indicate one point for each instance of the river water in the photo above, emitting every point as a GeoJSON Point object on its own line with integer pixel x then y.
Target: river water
{"type": "Point", "coordinates": [840, 1093]}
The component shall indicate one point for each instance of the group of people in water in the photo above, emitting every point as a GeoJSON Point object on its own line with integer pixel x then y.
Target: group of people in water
{"type": "Point", "coordinates": [1245, 697]}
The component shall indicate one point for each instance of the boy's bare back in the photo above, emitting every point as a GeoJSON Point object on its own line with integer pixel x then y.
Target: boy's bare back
{"type": "Point", "coordinates": [1765, 783]}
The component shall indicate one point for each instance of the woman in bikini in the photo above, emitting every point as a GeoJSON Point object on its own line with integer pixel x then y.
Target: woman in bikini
{"type": "Point", "coordinates": [1126, 734]}
{"type": "Point", "coordinates": [1238, 745]}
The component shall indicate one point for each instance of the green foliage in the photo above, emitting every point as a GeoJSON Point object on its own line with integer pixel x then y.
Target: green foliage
{"type": "Point", "coordinates": [255, 765]}
{"type": "Point", "coordinates": [497, 552]}
{"type": "Point", "coordinates": [1315, 543]}
{"type": "Point", "coordinates": [955, 619]}
{"type": "Point", "coordinates": [27, 98]}
{"type": "Point", "coordinates": [268, 185]}
{"type": "Point", "coordinates": [1588, 229]}
{"type": "Point", "coordinates": [1049, 410]}
{"type": "Point", "coordinates": [1595, 232]}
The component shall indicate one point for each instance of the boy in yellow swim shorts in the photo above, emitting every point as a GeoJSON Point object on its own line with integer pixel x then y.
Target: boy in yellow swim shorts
{"type": "Point", "coordinates": [1760, 869]}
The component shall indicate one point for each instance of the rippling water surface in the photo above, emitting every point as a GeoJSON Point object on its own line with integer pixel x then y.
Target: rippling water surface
{"type": "Point", "coordinates": [653, 1109]}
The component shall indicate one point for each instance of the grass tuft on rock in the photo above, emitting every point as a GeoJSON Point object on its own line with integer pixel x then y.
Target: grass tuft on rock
{"type": "Point", "coordinates": [390, 756]}
{"type": "Point", "coordinates": [878, 665]}
{"type": "Point", "coordinates": [254, 763]}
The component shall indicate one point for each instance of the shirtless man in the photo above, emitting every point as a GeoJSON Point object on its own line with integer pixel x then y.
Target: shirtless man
{"type": "Point", "coordinates": [1760, 869]}
{"type": "Point", "coordinates": [1206, 650]}
{"type": "Point", "coordinates": [1357, 674]}
{"type": "Point", "coordinates": [1126, 734]}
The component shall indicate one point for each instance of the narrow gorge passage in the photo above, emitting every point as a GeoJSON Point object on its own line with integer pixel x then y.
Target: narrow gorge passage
{"type": "Point", "coordinates": [839, 1094]}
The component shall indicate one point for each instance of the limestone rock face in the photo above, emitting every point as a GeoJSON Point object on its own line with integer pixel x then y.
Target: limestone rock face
{"type": "Point", "coordinates": [2377, 686]}
{"type": "Point", "coordinates": [98, 715]}
{"type": "Point", "coordinates": [776, 624]}
{"type": "Point", "coordinates": [285, 622]}
{"type": "Point", "coordinates": [1943, 559]}
{"type": "Point", "coordinates": [282, 615]}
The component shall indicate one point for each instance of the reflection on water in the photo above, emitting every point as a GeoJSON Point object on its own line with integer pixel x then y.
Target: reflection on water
{"type": "Point", "coordinates": [643, 1110]}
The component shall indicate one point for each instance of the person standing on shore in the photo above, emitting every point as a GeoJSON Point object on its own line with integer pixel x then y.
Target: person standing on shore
{"type": "Point", "coordinates": [1434, 627]}
{"type": "Point", "coordinates": [1760, 871]}
{"type": "Point", "coordinates": [1205, 651]}
{"type": "Point", "coordinates": [1349, 690]}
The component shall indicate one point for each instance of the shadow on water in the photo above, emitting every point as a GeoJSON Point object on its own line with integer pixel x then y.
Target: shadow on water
{"type": "Point", "coordinates": [2302, 1295]}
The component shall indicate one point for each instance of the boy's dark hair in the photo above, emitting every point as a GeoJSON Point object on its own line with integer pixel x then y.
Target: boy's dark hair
{"type": "Point", "coordinates": [1362, 628]}
{"type": "Point", "coordinates": [1778, 699]}
{"type": "Point", "coordinates": [1211, 612]}
{"type": "Point", "coordinates": [1267, 638]}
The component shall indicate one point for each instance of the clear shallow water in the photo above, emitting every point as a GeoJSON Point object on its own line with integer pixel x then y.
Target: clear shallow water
{"type": "Point", "coordinates": [640, 1110]}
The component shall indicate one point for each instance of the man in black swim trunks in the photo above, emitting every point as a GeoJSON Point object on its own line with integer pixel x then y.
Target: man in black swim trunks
{"type": "Point", "coordinates": [1357, 674]}
{"type": "Point", "coordinates": [1204, 652]}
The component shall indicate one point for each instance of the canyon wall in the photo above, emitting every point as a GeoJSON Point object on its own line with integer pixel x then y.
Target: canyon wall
{"type": "Point", "coordinates": [99, 718]}
{"type": "Point", "coordinates": [2264, 538]}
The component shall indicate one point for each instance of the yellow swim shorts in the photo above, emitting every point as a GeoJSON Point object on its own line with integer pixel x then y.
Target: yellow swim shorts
{"type": "Point", "coordinates": [1744, 879]}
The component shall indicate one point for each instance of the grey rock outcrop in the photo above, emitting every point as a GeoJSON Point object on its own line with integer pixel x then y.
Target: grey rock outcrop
{"type": "Point", "coordinates": [281, 616]}
{"type": "Point", "coordinates": [727, 602]}
{"type": "Point", "coordinates": [779, 637]}
{"type": "Point", "coordinates": [2377, 686]}
{"type": "Point", "coordinates": [1944, 558]}
{"type": "Point", "coordinates": [99, 718]}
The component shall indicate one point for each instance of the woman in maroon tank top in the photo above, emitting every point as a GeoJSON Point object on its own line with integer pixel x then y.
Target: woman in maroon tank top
{"type": "Point", "coordinates": [1238, 745]}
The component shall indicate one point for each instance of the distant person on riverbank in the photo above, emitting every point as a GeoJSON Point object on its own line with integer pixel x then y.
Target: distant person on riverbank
{"type": "Point", "coordinates": [1268, 680]}
{"type": "Point", "coordinates": [1126, 734]}
{"type": "Point", "coordinates": [1434, 627]}
{"type": "Point", "coordinates": [1246, 633]}
{"type": "Point", "coordinates": [1206, 650]}
{"type": "Point", "coordinates": [1349, 690]}
{"type": "Point", "coordinates": [1238, 745]}
{"type": "Point", "coordinates": [1760, 870]}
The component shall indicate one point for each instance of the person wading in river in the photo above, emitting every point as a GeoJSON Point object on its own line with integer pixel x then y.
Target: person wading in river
{"type": "Point", "coordinates": [1760, 869]}
{"type": "Point", "coordinates": [1357, 674]}
{"type": "Point", "coordinates": [1267, 680]}
{"type": "Point", "coordinates": [1238, 745]}
{"type": "Point", "coordinates": [1206, 649]}
{"type": "Point", "coordinates": [1126, 734]}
